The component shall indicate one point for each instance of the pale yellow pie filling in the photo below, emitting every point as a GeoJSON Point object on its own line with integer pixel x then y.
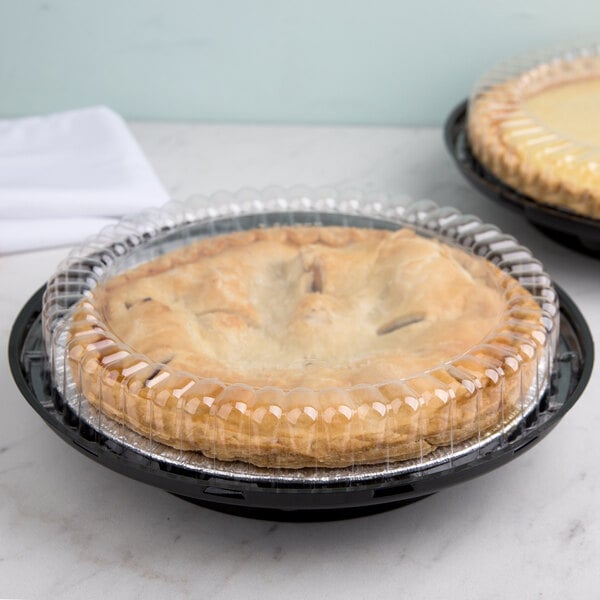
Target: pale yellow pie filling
{"type": "Point", "coordinates": [571, 110]}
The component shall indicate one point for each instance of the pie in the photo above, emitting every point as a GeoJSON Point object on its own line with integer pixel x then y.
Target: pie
{"type": "Point", "coordinates": [540, 133]}
{"type": "Point", "coordinates": [309, 346]}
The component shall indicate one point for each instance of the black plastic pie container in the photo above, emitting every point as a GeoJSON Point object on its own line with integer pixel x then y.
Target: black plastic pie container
{"type": "Point", "coordinates": [297, 501]}
{"type": "Point", "coordinates": [572, 230]}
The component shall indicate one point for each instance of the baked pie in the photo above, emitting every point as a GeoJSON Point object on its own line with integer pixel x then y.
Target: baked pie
{"type": "Point", "coordinates": [540, 133]}
{"type": "Point", "coordinates": [308, 346]}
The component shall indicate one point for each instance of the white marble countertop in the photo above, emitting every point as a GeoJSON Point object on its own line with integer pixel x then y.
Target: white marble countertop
{"type": "Point", "coordinates": [70, 528]}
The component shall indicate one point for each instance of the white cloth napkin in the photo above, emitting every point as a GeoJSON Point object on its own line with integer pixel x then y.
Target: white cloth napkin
{"type": "Point", "coordinates": [64, 176]}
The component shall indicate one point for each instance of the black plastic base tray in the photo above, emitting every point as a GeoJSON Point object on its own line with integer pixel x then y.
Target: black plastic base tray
{"type": "Point", "coordinates": [301, 500]}
{"type": "Point", "coordinates": [575, 231]}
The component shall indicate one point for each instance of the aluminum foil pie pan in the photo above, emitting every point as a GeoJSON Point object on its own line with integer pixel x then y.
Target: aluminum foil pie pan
{"type": "Point", "coordinates": [38, 359]}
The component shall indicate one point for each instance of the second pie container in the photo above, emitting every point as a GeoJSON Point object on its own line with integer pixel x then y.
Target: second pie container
{"type": "Point", "coordinates": [516, 367]}
{"type": "Point", "coordinates": [522, 151]}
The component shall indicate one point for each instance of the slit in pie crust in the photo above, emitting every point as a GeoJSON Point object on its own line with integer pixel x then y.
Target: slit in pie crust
{"type": "Point", "coordinates": [309, 346]}
{"type": "Point", "coordinates": [540, 133]}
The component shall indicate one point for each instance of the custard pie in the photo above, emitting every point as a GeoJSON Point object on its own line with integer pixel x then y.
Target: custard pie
{"type": "Point", "coordinates": [308, 346]}
{"type": "Point", "coordinates": [540, 133]}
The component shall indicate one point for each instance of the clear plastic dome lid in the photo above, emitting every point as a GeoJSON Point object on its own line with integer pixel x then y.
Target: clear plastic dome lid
{"type": "Point", "coordinates": [351, 428]}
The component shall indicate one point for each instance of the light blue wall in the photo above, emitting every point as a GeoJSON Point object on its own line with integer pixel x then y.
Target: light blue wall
{"type": "Point", "coordinates": [298, 61]}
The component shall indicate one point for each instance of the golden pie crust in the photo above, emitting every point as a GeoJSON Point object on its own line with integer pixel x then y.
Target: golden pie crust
{"type": "Point", "coordinates": [309, 346]}
{"type": "Point", "coordinates": [540, 133]}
